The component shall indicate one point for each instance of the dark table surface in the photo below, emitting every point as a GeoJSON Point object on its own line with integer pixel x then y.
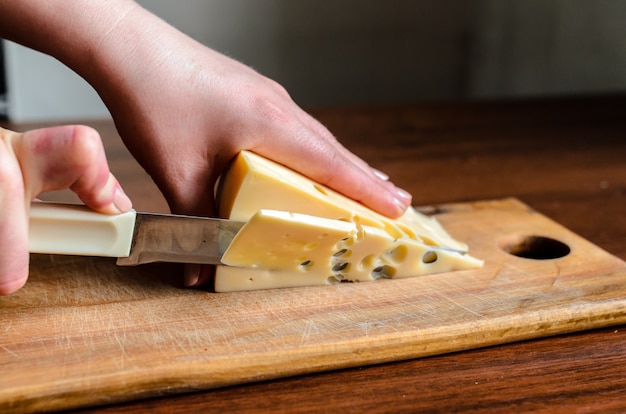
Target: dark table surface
{"type": "Point", "coordinates": [564, 157]}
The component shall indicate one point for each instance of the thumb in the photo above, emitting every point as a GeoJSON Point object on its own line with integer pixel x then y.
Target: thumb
{"type": "Point", "coordinates": [45, 160]}
{"type": "Point", "coordinates": [70, 157]}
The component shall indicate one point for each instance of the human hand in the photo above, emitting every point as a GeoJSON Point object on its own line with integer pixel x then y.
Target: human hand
{"type": "Point", "coordinates": [185, 111]}
{"type": "Point", "coordinates": [43, 160]}
{"type": "Point", "coordinates": [185, 131]}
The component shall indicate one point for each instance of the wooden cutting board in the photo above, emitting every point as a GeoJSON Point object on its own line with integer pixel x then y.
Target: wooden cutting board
{"type": "Point", "coordinates": [85, 332]}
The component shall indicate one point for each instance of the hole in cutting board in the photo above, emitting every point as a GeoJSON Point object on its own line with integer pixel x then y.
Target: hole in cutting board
{"type": "Point", "coordinates": [534, 247]}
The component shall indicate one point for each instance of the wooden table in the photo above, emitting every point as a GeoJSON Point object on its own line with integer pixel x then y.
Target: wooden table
{"type": "Point", "coordinates": [564, 157]}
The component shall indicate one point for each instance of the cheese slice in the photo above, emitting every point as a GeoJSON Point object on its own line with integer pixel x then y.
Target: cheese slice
{"type": "Point", "coordinates": [301, 233]}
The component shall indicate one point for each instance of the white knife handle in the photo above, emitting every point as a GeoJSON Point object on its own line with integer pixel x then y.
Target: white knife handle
{"type": "Point", "coordinates": [77, 230]}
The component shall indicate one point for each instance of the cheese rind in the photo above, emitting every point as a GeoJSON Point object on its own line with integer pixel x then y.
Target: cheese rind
{"type": "Point", "coordinates": [301, 233]}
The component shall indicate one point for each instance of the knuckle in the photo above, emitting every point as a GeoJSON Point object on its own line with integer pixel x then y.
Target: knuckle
{"type": "Point", "coordinates": [270, 111]}
{"type": "Point", "coordinates": [83, 144]}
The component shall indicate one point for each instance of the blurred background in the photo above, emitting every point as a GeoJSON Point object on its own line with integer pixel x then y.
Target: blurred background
{"type": "Point", "coordinates": [364, 52]}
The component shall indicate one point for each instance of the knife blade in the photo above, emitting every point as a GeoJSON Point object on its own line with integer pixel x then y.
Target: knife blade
{"type": "Point", "coordinates": [133, 237]}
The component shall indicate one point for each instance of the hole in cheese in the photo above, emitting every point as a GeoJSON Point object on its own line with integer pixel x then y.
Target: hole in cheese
{"type": "Point", "coordinates": [429, 257]}
{"type": "Point", "coordinates": [393, 230]}
{"type": "Point", "coordinates": [348, 241]}
{"type": "Point", "coordinates": [383, 271]}
{"type": "Point", "coordinates": [320, 189]}
{"type": "Point", "coordinates": [341, 267]}
{"type": "Point", "coordinates": [306, 265]}
{"type": "Point", "coordinates": [428, 241]}
{"type": "Point", "coordinates": [397, 255]}
{"type": "Point", "coordinates": [343, 253]}
{"type": "Point", "coordinates": [333, 280]}
{"type": "Point", "coordinates": [406, 230]}
{"type": "Point", "coordinates": [367, 262]}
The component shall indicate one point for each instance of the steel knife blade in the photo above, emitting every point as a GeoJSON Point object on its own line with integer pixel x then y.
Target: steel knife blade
{"type": "Point", "coordinates": [133, 237]}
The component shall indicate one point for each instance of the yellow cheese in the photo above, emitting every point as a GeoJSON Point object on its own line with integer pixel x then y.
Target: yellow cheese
{"type": "Point", "coordinates": [301, 233]}
{"type": "Point", "coordinates": [277, 248]}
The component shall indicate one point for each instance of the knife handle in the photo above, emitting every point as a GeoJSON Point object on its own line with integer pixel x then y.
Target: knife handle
{"type": "Point", "coordinates": [70, 229]}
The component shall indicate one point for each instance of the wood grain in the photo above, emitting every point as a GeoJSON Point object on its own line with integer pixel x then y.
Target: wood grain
{"type": "Point", "coordinates": [562, 157]}
{"type": "Point", "coordinates": [108, 325]}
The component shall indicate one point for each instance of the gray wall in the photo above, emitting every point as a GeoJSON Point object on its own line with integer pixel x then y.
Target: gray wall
{"type": "Point", "coordinates": [371, 51]}
{"type": "Point", "coordinates": [551, 47]}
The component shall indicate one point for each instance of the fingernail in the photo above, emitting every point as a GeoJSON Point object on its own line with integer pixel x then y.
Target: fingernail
{"type": "Point", "coordinates": [121, 200]}
{"type": "Point", "coordinates": [402, 199]}
{"type": "Point", "coordinates": [191, 275]}
{"type": "Point", "coordinates": [403, 195]}
{"type": "Point", "coordinates": [402, 205]}
{"type": "Point", "coordinates": [380, 174]}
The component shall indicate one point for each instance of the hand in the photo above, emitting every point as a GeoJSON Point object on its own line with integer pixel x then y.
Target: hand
{"type": "Point", "coordinates": [184, 126]}
{"type": "Point", "coordinates": [44, 160]}
{"type": "Point", "coordinates": [185, 111]}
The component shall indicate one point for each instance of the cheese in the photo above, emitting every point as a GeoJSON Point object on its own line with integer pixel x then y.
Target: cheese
{"type": "Point", "coordinates": [301, 233]}
{"type": "Point", "coordinates": [292, 248]}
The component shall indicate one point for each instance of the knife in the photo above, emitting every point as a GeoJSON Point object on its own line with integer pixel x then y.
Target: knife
{"type": "Point", "coordinates": [133, 237]}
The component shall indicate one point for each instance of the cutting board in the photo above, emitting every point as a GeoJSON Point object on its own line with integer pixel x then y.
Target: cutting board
{"type": "Point", "coordinates": [84, 331]}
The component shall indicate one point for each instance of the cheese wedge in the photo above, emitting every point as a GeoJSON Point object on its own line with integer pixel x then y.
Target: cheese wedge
{"type": "Point", "coordinates": [301, 233]}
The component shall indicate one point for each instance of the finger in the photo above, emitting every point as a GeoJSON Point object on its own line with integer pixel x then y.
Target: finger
{"type": "Point", "coordinates": [401, 197]}
{"type": "Point", "coordinates": [70, 157]}
{"type": "Point", "coordinates": [328, 162]}
{"type": "Point", "coordinates": [197, 275]}
{"type": "Point", "coordinates": [14, 254]}
{"type": "Point", "coordinates": [294, 138]}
